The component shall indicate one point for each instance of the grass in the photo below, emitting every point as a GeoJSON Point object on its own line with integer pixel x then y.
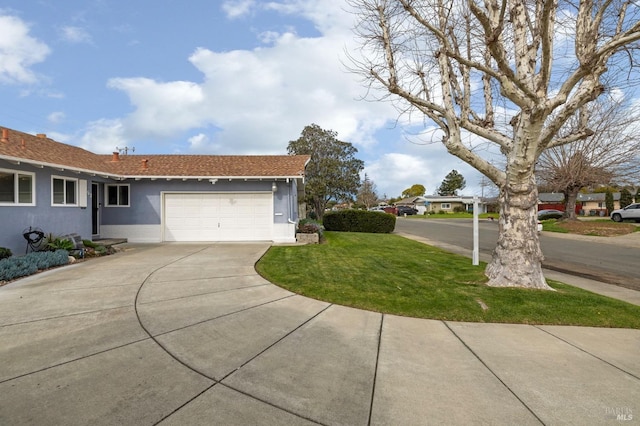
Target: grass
{"type": "Point", "coordinates": [589, 227]}
{"type": "Point", "coordinates": [390, 274]}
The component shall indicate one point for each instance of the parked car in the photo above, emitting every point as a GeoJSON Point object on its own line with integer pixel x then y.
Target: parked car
{"type": "Point", "coordinates": [549, 214]}
{"type": "Point", "coordinates": [632, 211]}
{"type": "Point", "coordinates": [391, 210]}
{"type": "Point", "coordinates": [402, 210]}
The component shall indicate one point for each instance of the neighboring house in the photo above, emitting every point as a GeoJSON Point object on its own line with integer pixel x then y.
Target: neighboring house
{"type": "Point", "coordinates": [63, 189]}
{"type": "Point", "coordinates": [437, 203]}
{"type": "Point", "coordinates": [594, 204]}
{"type": "Point", "coordinates": [587, 204]}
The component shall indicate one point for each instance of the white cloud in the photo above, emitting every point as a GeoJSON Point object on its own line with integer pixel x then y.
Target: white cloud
{"type": "Point", "coordinates": [103, 136]}
{"type": "Point", "coordinates": [200, 143]}
{"type": "Point", "coordinates": [162, 109]}
{"type": "Point", "coordinates": [18, 52]}
{"type": "Point", "coordinates": [425, 165]}
{"type": "Point", "coordinates": [258, 99]}
{"type": "Point", "coordinates": [237, 8]}
{"type": "Point", "coordinates": [75, 35]}
{"type": "Point", "coordinates": [56, 117]}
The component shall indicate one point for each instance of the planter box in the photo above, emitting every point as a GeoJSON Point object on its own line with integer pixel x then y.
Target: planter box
{"type": "Point", "coordinates": [307, 238]}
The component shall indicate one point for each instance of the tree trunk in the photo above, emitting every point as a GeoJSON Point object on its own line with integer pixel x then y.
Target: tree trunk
{"type": "Point", "coordinates": [517, 258]}
{"type": "Point", "coordinates": [570, 198]}
{"type": "Point", "coordinates": [318, 207]}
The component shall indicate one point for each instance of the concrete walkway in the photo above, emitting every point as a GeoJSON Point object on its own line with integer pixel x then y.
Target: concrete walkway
{"type": "Point", "coordinates": [188, 334]}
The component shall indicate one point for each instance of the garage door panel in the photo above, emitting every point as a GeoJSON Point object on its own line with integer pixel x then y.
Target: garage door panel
{"type": "Point", "coordinates": [218, 216]}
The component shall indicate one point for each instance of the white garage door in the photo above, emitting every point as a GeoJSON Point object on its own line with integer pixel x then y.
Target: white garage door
{"type": "Point", "coordinates": [218, 216]}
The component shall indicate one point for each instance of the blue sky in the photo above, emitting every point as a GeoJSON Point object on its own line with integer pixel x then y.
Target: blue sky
{"type": "Point", "coordinates": [213, 77]}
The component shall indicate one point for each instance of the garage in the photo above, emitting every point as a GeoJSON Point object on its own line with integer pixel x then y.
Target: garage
{"type": "Point", "coordinates": [207, 216]}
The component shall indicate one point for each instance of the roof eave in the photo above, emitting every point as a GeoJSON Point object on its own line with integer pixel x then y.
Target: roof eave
{"type": "Point", "coordinates": [213, 177]}
{"type": "Point", "coordinates": [61, 167]}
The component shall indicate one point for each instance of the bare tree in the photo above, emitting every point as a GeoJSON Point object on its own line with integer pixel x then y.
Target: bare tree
{"type": "Point", "coordinates": [610, 154]}
{"type": "Point", "coordinates": [367, 193]}
{"type": "Point", "coordinates": [487, 69]}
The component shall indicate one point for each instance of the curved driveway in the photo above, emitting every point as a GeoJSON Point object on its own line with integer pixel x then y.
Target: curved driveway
{"type": "Point", "coordinates": [190, 334]}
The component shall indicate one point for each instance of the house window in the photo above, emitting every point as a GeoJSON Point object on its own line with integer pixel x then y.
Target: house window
{"type": "Point", "coordinates": [601, 205]}
{"type": "Point", "coordinates": [64, 191]}
{"type": "Point", "coordinates": [117, 195]}
{"type": "Point", "coordinates": [17, 188]}
{"type": "Point", "coordinates": [445, 206]}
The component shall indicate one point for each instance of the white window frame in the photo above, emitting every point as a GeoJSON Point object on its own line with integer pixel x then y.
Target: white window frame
{"type": "Point", "coordinates": [76, 189]}
{"type": "Point", "coordinates": [445, 206]}
{"type": "Point", "coordinates": [117, 185]}
{"type": "Point", "coordinates": [16, 188]}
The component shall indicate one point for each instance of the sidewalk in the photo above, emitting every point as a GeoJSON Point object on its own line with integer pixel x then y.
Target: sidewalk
{"type": "Point", "coordinates": [189, 334]}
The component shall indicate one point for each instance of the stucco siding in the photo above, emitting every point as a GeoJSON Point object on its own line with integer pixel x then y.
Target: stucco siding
{"type": "Point", "coordinates": [146, 202]}
{"type": "Point", "coordinates": [58, 220]}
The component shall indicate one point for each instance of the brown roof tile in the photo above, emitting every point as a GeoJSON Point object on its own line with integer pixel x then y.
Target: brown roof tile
{"type": "Point", "coordinates": [40, 149]}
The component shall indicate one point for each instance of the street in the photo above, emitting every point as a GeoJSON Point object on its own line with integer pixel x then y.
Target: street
{"type": "Point", "coordinates": [601, 261]}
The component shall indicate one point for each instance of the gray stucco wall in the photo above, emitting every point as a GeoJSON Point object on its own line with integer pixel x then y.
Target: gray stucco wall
{"type": "Point", "coordinates": [51, 219]}
{"type": "Point", "coordinates": [146, 204]}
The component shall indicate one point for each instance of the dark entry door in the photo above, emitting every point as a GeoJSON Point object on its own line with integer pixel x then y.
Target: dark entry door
{"type": "Point", "coordinates": [95, 209]}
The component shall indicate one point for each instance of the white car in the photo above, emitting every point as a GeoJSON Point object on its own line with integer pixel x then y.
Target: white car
{"type": "Point", "coordinates": [632, 211]}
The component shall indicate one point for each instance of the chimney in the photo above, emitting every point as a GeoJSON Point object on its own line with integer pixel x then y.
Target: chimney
{"type": "Point", "coordinates": [145, 164]}
{"type": "Point", "coordinates": [23, 144]}
{"type": "Point", "coordinates": [5, 135]}
{"type": "Point", "coordinates": [116, 157]}
{"type": "Point", "coordinates": [42, 135]}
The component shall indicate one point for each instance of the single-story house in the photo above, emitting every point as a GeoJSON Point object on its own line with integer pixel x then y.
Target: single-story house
{"type": "Point", "coordinates": [587, 204]}
{"type": "Point", "coordinates": [437, 203]}
{"type": "Point", "coordinates": [62, 189]}
{"type": "Point", "coordinates": [595, 205]}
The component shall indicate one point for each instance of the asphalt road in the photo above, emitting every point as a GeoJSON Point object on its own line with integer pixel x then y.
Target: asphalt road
{"type": "Point", "coordinates": [600, 261]}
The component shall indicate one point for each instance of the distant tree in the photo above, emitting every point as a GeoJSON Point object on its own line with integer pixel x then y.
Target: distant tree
{"type": "Point", "coordinates": [603, 189]}
{"type": "Point", "coordinates": [608, 201]}
{"type": "Point", "coordinates": [393, 200]}
{"type": "Point", "coordinates": [625, 198]}
{"type": "Point", "coordinates": [608, 155]}
{"type": "Point", "coordinates": [367, 193]}
{"type": "Point", "coordinates": [416, 190]}
{"type": "Point", "coordinates": [333, 171]}
{"type": "Point", "coordinates": [452, 183]}
{"type": "Point", "coordinates": [637, 197]}
{"type": "Point", "coordinates": [488, 188]}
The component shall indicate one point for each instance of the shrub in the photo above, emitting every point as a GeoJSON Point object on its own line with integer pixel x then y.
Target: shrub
{"type": "Point", "coordinates": [5, 252]}
{"type": "Point", "coordinates": [459, 209]}
{"type": "Point", "coordinates": [89, 243]}
{"type": "Point", "coordinates": [310, 226]}
{"type": "Point", "coordinates": [59, 243]}
{"type": "Point", "coordinates": [16, 267]}
{"type": "Point", "coordinates": [359, 221]}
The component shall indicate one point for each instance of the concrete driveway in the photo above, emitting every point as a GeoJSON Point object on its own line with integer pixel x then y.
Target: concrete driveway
{"type": "Point", "coordinates": [182, 334]}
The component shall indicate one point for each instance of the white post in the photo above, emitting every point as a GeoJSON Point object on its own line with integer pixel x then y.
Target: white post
{"type": "Point", "coordinates": [476, 237]}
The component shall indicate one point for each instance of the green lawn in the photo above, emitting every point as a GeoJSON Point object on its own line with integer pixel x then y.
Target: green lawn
{"type": "Point", "coordinates": [391, 274]}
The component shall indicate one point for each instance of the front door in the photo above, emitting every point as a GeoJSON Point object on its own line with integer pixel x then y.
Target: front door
{"type": "Point", "coordinates": [95, 209]}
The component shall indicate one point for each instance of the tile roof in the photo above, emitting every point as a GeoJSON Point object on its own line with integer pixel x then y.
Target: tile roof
{"type": "Point", "coordinates": [39, 149]}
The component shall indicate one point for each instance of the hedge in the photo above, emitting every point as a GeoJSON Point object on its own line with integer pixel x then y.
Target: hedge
{"type": "Point", "coordinates": [359, 221]}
